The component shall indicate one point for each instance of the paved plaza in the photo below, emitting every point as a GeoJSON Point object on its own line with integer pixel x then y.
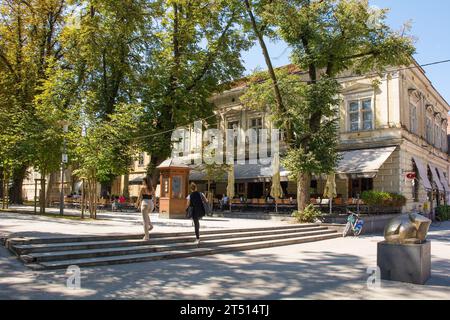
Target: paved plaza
{"type": "Point", "coordinates": [331, 269]}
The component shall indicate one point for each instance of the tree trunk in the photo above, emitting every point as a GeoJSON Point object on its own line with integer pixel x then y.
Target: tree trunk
{"type": "Point", "coordinates": [278, 98]}
{"type": "Point", "coordinates": [51, 182]}
{"type": "Point", "coordinates": [153, 171]}
{"type": "Point", "coordinates": [83, 196]}
{"type": "Point", "coordinates": [303, 185]}
{"type": "Point", "coordinates": [16, 196]}
{"type": "Point", "coordinates": [1, 183]}
{"type": "Point", "coordinates": [94, 207]}
{"type": "Point", "coordinates": [91, 198]}
{"type": "Point", "coordinates": [5, 189]}
{"type": "Point", "coordinates": [42, 192]}
{"type": "Point", "coordinates": [125, 186]}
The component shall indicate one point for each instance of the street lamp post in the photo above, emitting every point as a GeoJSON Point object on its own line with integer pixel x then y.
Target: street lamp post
{"type": "Point", "coordinates": [64, 160]}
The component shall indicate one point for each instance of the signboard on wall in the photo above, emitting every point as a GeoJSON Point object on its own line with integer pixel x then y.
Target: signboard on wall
{"type": "Point", "coordinates": [411, 175]}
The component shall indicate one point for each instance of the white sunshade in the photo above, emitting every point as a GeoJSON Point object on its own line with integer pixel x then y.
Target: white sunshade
{"type": "Point", "coordinates": [423, 173]}
{"type": "Point", "coordinates": [443, 180]}
{"type": "Point", "coordinates": [436, 178]}
{"type": "Point", "coordinates": [363, 162]}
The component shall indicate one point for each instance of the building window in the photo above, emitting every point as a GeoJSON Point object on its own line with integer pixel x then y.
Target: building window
{"type": "Point", "coordinates": [358, 186]}
{"type": "Point", "coordinates": [429, 130]}
{"type": "Point", "coordinates": [141, 159]}
{"type": "Point", "coordinates": [361, 115]}
{"type": "Point", "coordinates": [437, 136]}
{"type": "Point", "coordinates": [444, 141]}
{"type": "Point", "coordinates": [413, 119]}
{"type": "Point", "coordinates": [235, 126]}
{"type": "Point", "coordinates": [256, 123]}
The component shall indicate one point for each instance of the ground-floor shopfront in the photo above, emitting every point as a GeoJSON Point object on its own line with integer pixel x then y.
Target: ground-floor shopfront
{"type": "Point", "coordinates": [416, 173]}
{"type": "Point", "coordinates": [402, 169]}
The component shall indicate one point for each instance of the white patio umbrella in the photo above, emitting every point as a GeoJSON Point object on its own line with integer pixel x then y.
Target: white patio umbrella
{"type": "Point", "coordinates": [330, 189]}
{"type": "Point", "coordinates": [230, 186]}
{"type": "Point", "coordinates": [276, 190]}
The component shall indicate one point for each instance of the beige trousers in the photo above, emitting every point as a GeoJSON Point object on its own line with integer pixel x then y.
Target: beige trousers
{"type": "Point", "coordinates": [147, 208]}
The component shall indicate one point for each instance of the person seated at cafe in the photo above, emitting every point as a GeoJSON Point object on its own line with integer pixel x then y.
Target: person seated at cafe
{"type": "Point", "coordinates": [115, 205]}
{"type": "Point", "coordinates": [121, 201]}
{"type": "Point", "coordinates": [223, 202]}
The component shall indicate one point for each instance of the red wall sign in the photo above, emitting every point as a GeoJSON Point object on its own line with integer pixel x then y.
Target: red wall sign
{"type": "Point", "coordinates": [411, 175]}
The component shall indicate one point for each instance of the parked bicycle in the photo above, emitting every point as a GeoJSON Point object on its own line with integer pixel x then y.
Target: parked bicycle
{"type": "Point", "coordinates": [354, 224]}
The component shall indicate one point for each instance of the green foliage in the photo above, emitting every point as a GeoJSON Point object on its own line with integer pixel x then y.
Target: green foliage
{"type": "Point", "coordinates": [340, 35]}
{"type": "Point", "coordinates": [198, 48]}
{"type": "Point", "coordinates": [328, 38]}
{"type": "Point", "coordinates": [309, 215]}
{"type": "Point", "coordinates": [383, 199]}
{"type": "Point", "coordinates": [443, 213]}
{"type": "Point", "coordinates": [104, 148]}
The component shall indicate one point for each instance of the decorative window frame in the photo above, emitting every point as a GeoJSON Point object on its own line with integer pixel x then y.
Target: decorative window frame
{"type": "Point", "coordinates": [415, 98]}
{"type": "Point", "coordinates": [437, 131]}
{"type": "Point", "coordinates": [413, 122]}
{"type": "Point", "coordinates": [429, 118]}
{"type": "Point", "coordinates": [359, 97]}
{"type": "Point", "coordinates": [444, 134]}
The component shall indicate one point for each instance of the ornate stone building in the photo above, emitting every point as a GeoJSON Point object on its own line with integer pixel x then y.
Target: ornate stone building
{"type": "Point", "coordinates": [392, 128]}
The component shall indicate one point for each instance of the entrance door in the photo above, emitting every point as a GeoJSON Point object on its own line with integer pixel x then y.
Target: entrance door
{"type": "Point", "coordinates": [255, 190]}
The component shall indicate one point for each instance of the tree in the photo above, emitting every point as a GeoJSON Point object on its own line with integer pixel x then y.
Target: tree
{"type": "Point", "coordinates": [28, 43]}
{"type": "Point", "coordinates": [46, 131]}
{"type": "Point", "coordinates": [102, 148]}
{"type": "Point", "coordinates": [328, 38]}
{"type": "Point", "coordinates": [198, 47]}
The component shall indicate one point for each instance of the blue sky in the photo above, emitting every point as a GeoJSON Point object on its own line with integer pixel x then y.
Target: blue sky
{"type": "Point", "coordinates": [430, 26]}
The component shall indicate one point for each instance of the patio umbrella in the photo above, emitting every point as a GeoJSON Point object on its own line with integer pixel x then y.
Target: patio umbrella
{"type": "Point", "coordinates": [276, 191]}
{"type": "Point", "coordinates": [230, 186]}
{"type": "Point", "coordinates": [330, 189]}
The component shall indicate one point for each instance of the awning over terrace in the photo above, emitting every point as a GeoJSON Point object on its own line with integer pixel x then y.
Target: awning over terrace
{"type": "Point", "coordinates": [363, 163]}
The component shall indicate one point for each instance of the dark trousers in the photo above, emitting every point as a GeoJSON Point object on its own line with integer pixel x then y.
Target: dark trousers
{"type": "Point", "coordinates": [196, 226]}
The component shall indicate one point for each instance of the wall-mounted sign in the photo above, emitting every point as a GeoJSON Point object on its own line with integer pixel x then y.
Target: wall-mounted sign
{"type": "Point", "coordinates": [411, 175]}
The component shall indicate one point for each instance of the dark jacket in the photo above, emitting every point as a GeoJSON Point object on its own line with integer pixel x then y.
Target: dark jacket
{"type": "Point", "coordinates": [196, 202]}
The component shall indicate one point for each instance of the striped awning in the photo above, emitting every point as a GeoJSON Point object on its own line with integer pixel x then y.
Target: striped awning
{"type": "Point", "coordinates": [436, 178]}
{"type": "Point", "coordinates": [423, 173]}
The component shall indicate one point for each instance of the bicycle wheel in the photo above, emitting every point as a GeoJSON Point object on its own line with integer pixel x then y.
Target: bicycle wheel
{"type": "Point", "coordinates": [346, 230]}
{"type": "Point", "coordinates": [357, 232]}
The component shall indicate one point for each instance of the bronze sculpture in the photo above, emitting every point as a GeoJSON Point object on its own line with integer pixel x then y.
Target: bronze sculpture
{"type": "Point", "coordinates": [409, 228]}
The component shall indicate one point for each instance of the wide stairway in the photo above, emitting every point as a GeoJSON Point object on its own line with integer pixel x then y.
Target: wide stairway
{"type": "Point", "coordinates": [57, 253]}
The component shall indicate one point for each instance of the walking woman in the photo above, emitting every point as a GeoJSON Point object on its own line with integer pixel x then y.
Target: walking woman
{"type": "Point", "coordinates": [195, 200]}
{"type": "Point", "coordinates": [145, 203]}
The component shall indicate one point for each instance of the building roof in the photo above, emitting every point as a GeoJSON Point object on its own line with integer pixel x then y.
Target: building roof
{"type": "Point", "coordinates": [172, 163]}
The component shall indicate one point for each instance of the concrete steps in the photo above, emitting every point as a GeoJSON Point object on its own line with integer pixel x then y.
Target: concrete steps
{"type": "Point", "coordinates": [54, 253]}
{"type": "Point", "coordinates": [47, 240]}
{"type": "Point", "coordinates": [161, 239]}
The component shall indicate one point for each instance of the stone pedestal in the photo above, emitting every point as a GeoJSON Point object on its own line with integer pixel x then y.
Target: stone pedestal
{"type": "Point", "coordinates": [409, 263]}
